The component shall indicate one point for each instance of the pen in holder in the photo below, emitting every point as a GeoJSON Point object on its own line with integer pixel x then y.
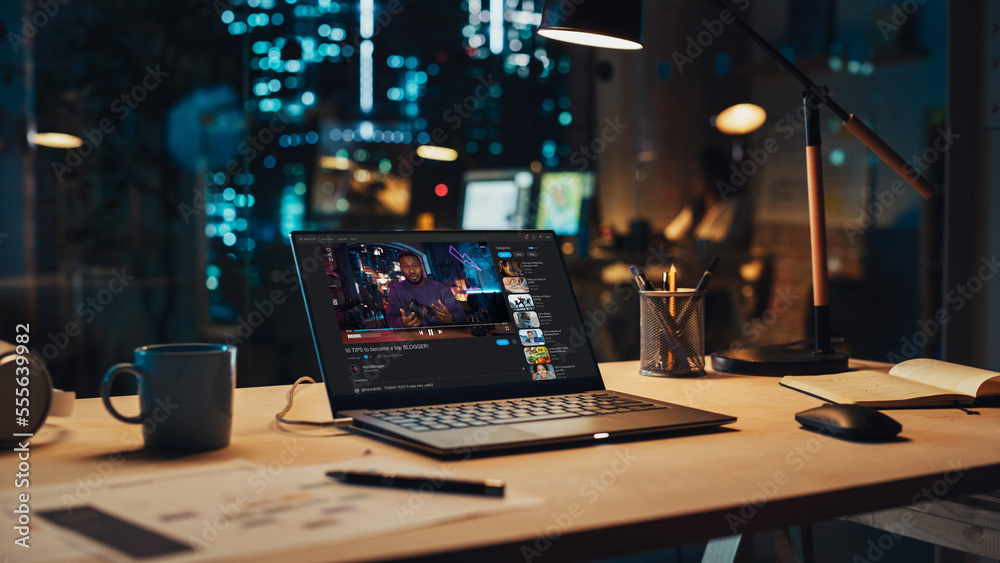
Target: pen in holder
{"type": "Point", "coordinates": [672, 333]}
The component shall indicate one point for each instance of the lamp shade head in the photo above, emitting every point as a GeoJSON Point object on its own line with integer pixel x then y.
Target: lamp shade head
{"type": "Point", "coordinates": [614, 24]}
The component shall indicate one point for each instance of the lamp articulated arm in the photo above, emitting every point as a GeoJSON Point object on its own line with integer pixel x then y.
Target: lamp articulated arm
{"type": "Point", "coordinates": [851, 121]}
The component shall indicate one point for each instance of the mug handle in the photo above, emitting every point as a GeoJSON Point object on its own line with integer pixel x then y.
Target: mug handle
{"type": "Point", "coordinates": [109, 377]}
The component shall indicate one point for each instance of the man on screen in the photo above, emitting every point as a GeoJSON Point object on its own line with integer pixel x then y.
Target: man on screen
{"type": "Point", "coordinates": [418, 301]}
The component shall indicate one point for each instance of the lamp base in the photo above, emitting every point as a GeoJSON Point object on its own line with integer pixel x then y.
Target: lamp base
{"type": "Point", "coordinates": [778, 361]}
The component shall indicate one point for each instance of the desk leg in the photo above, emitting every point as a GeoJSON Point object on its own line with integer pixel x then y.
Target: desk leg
{"type": "Point", "coordinates": [730, 549]}
{"type": "Point", "coordinates": [794, 544]}
{"type": "Point", "coordinates": [791, 545]}
{"type": "Point", "coordinates": [803, 537]}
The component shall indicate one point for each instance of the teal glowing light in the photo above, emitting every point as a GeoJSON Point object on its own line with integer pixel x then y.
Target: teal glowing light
{"type": "Point", "coordinates": [292, 212]}
{"type": "Point", "coordinates": [269, 104]}
{"type": "Point", "coordinates": [549, 149]}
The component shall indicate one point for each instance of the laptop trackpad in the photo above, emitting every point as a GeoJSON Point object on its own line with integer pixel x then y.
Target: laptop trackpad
{"type": "Point", "coordinates": [574, 426]}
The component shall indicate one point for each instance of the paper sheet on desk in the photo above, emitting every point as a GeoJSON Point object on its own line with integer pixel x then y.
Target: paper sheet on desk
{"type": "Point", "coordinates": [237, 508]}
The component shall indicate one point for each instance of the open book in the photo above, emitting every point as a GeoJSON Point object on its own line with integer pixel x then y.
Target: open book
{"type": "Point", "coordinates": [913, 383]}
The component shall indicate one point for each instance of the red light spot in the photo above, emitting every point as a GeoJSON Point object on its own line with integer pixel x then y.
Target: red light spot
{"type": "Point", "coordinates": [441, 190]}
{"type": "Point", "coordinates": [442, 57]}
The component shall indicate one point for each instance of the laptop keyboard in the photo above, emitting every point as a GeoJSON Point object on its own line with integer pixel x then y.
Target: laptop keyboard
{"type": "Point", "coordinates": [465, 415]}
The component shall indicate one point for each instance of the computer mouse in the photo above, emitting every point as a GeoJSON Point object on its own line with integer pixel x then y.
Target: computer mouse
{"type": "Point", "coordinates": [851, 422]}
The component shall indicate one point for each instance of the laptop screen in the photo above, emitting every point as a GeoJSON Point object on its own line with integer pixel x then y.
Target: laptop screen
{"type": "Point", "coordinates": [411, 318]}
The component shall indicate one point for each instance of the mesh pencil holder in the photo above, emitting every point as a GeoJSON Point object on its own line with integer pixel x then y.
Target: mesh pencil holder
{"type": "Point", "coordinates": [672, 333]}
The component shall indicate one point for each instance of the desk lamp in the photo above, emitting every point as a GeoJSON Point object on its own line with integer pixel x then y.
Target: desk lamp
{"type": "Point", "coordinates": [617, 24]}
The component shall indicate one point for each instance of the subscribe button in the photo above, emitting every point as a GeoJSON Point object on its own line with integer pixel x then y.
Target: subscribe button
{"type": "Point", "coordinates": [502, 342]}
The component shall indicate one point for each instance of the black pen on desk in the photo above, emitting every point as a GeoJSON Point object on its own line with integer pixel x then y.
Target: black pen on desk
{"type": "Point", "coordinates": [484, 487]}
{"type": "Point", "coordinates": [640, 279]}
{"type": "Point", "coordinates": [702, 284]}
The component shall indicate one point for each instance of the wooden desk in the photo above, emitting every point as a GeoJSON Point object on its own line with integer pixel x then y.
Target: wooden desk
{"type": "Point", "coordinates": [610, 498]}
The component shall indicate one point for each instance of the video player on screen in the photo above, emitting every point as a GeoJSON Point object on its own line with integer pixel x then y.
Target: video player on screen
{"type": "Point", "coordinates": [419, 301]}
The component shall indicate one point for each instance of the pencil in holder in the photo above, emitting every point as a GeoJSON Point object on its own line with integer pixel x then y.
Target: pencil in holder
{"type": "Point", "coordinates": [672, 333]}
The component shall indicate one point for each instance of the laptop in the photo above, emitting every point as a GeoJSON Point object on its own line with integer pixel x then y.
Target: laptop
{"type": "Point", "coordinates": [460, 342]}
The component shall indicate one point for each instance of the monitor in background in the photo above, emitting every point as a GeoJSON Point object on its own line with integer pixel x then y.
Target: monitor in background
{"type": "Point", "coordinates": [497, 199]}
{"type": "Point", "coordinates": [562, 197]}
